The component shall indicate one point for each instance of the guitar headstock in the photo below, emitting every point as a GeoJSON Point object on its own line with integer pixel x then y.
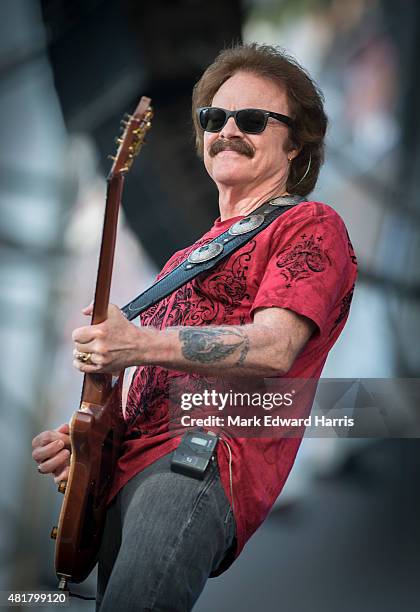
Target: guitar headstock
{"type": "Point", "coordinates": [132, 138]}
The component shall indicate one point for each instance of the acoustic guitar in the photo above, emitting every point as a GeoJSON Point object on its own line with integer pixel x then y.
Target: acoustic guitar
{"type": "Point", "coordinates": [96, 428]}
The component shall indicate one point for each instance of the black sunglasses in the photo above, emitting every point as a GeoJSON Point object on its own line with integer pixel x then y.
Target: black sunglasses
{"type": "Point", "coordinates": [248, 120]}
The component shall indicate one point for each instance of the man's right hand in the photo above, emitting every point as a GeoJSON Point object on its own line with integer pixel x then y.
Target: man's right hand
{"type": "Point", "coordinates": [52, 452]}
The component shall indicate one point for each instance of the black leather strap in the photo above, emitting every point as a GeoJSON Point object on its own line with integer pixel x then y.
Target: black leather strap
{"type": "Point", "coordinates": [226, 243]}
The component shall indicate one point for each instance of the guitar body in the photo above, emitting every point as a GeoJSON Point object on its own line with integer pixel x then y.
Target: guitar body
{"type": "Point", "coordinates": [96, 431]}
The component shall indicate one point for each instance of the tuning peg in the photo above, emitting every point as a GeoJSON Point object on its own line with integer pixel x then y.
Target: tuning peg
{"type": "Point", "coordinates": [62, 486]}
{"type": "Point", "coordinates": [118, 141]}
{"type": "Point", "coordinates": [111, 157]}
{"type": "Point", "coordinates": [53, 534]}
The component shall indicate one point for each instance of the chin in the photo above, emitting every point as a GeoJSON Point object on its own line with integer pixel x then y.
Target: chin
{"type": "Point", "coordinates": [230, 173]}
{"type": "Point", "coordinates": [230, 178]}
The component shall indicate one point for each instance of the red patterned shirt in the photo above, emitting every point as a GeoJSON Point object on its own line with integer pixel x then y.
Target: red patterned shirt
{"type": "Point", "coordinates": [304, 262]}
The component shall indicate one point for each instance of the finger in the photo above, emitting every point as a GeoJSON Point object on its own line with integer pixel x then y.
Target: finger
{"type": "Point", "coordinates": [64, 428]}
{"type": "Point", "coordinates": [42, 453]}
{"type": "Point", "coordinates": [84, 334]}
{"type": "Point", "coordinates": [86, 349]}
{"type": "Point", "coordinates": [61, 468]}
{"type": "Point", "coordinates": [64, 436]}
{"type": "Point", "coordinates": [61, 474]}
{"type": "Point", "coordinates": [46, 467]}
{"type": "Point", "coordinates": [86, 368]}
{"type": "Point", "coordinates": [88, 310]}
{"type": "Point", "coordinates": [66, 441]}
{"type": "Point", "coordinates": [45, 437]}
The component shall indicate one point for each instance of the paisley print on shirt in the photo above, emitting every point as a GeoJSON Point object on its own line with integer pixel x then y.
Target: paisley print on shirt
{"type": "Point", "coordinates": [299, 260]}
{"type": "Point", "coordinates": [215, 295]}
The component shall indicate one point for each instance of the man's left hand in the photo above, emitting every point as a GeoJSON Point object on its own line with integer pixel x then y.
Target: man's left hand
{"type": "Point", "coordinates": [111, 346]}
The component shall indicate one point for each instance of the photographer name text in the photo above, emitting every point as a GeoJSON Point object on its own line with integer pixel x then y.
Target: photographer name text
{"type": "Point", "coordinates": [266, 420]}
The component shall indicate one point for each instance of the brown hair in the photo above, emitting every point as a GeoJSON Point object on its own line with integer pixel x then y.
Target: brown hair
{"type": "Point", "coordinates": [304, 97]}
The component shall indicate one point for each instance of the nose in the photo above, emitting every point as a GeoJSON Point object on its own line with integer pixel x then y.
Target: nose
{"type": "Point", "coordinates": [230, 129]}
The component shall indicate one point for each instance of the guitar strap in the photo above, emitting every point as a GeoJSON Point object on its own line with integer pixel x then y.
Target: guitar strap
{"type": "Point", "coordinates": [206, 257]}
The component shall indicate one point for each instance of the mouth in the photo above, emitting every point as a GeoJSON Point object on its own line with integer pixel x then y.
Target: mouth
{"type": "Point", "coordinates": [229, 152]}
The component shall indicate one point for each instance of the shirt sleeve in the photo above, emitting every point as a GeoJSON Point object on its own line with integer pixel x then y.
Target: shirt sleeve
{"type": "Point", "coordinates": [310, 267]}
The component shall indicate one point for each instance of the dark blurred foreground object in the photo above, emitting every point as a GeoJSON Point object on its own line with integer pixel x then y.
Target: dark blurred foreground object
{"type": "Point", "coordinates": [103, 55]}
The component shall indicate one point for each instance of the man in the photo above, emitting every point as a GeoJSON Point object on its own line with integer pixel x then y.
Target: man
{"type": "Point", "coordinates": [273, 308]}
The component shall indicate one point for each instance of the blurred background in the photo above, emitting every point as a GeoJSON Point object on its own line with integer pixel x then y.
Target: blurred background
{"type": "Point", "coordinates": [344, 535]}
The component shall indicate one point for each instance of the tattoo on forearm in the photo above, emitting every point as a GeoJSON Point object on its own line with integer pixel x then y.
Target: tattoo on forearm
{"type": "Point", "coordinates": [212, 345]}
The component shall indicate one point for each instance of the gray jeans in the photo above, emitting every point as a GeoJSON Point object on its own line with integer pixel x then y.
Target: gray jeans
{"type": "Point", "coordinates": [165, 534]}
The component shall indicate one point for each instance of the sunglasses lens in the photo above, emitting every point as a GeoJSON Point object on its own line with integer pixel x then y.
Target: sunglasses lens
{"type": "Point", "coordinates": [212, 119]}
{"type": "Point", "coordinates": [251, 121]}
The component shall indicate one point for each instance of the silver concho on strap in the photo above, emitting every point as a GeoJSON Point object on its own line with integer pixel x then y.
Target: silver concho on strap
{"type": "Point", "coordinates": [285, 200]}
{"type": "Point", "coordinates": [246, 225]}
{"type": "Point", "coordinates": [205, 252]}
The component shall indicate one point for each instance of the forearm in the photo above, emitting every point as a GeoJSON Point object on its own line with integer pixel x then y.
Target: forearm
{"type": "Point", "coordinates": [266, 347]}
{"type": "Point", "coordinates": [237, 350]}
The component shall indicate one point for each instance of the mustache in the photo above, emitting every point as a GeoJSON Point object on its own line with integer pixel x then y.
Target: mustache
{"type": "Point", "coordinates": [239, 146]}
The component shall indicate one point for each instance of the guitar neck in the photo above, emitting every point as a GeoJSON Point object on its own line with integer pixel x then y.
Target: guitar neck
{"type": "Point", "coordinates": [106, 257]}
{"type": "Point", "coordinates": [96, 387]}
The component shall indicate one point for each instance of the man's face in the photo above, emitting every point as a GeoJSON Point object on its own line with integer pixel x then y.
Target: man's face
{"type": "Point", "coordinates": [262, 158]}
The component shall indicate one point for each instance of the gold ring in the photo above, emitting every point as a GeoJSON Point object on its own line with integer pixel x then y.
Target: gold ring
{"type": "Point", "coordinates": [84, 357]}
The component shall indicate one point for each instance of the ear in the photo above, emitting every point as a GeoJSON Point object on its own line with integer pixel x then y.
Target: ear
{"type": "Point", "coordinates": [293, 152]}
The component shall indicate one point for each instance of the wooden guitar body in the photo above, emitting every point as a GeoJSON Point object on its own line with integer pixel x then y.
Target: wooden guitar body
{"type": "Point", "coordinates": [96, 431]}
{"type": "Point", "coordinates": [96, 428]}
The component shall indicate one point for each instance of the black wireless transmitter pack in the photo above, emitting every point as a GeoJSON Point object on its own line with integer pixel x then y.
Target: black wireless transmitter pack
{"type": "Point", "coordinates": [194, 453]}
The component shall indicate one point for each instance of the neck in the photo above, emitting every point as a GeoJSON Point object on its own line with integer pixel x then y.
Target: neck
{"type": "Point", "coordinates": [234, 202]}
